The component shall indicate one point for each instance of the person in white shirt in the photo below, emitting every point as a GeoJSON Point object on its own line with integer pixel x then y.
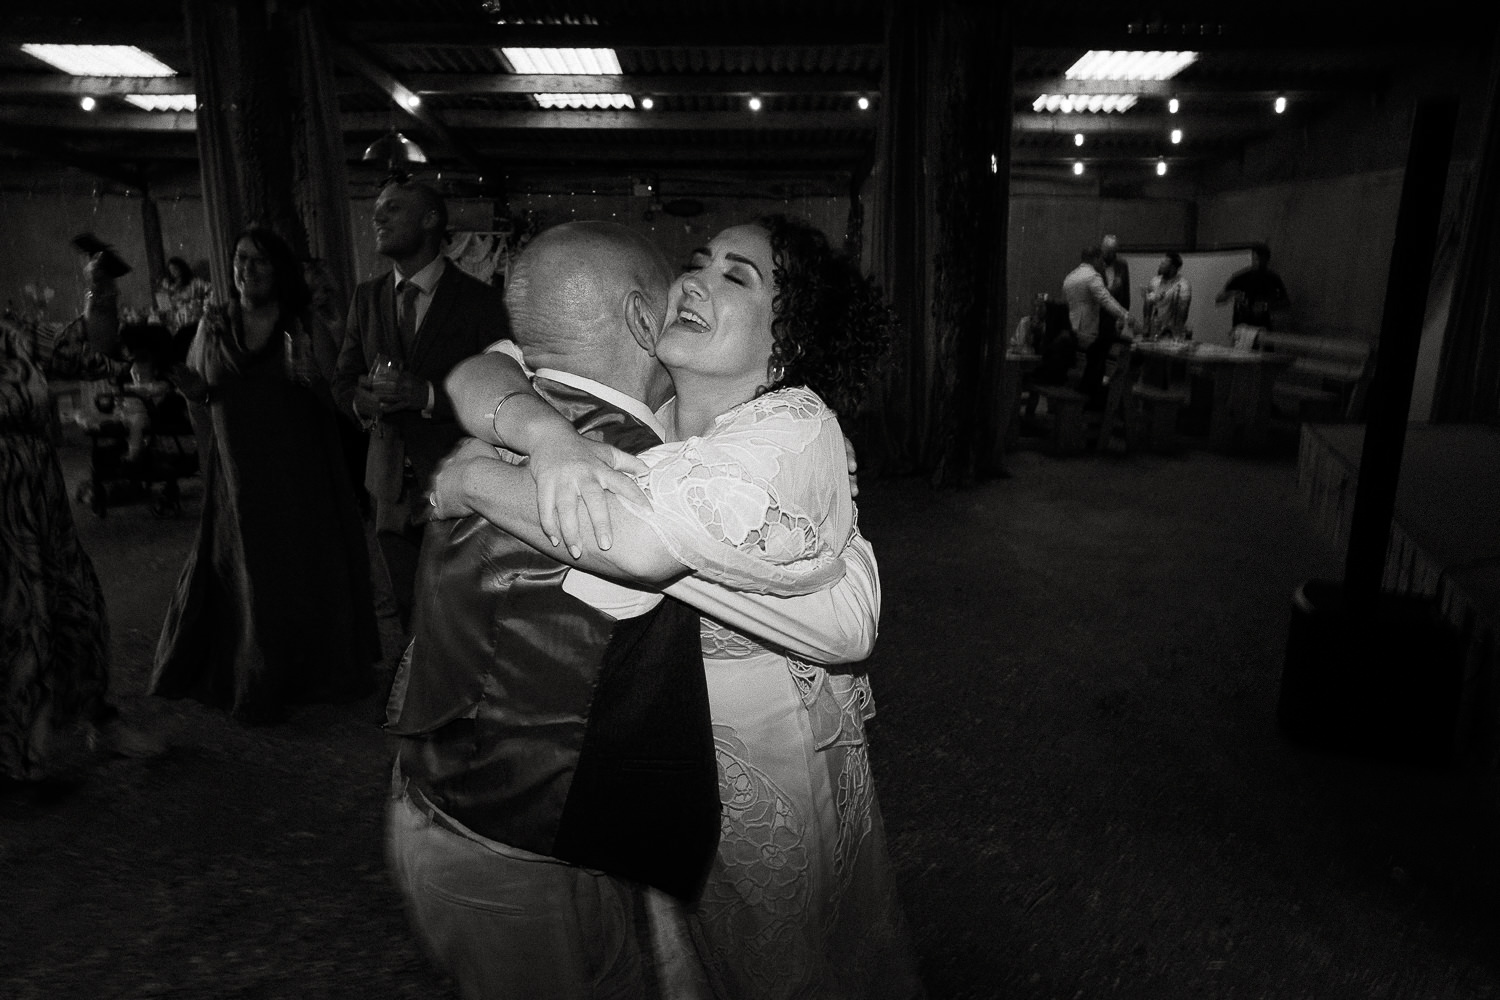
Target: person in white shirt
{"type": "Point", "coordinates": [1087, 296]}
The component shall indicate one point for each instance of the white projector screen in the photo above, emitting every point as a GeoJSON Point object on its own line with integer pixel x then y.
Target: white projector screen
{"type": "Point", "coordinates": [1206, 272]}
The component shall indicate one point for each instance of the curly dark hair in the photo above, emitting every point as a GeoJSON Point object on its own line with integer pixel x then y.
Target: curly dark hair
{"type": "Point", "coordinates": [830, 324]}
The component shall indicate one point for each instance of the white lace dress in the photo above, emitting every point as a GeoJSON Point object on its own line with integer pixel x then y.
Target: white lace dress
{"type": "Point", "coordinates": [800, 902]}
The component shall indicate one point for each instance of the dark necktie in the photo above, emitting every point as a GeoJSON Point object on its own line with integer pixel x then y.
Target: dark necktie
{"type": "Point", "coordinates": [406, 313]}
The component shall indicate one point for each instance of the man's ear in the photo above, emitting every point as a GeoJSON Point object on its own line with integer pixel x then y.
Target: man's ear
{"type": "Point", "coordinates": [644, 324]}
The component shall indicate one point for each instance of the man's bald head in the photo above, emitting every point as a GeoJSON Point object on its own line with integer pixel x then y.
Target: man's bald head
{"type": "Point", "coordinates": [572, 290]}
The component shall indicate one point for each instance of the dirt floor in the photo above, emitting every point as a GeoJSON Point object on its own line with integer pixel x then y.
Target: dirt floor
{"type": "Point", "coordinates": [1075, 749]}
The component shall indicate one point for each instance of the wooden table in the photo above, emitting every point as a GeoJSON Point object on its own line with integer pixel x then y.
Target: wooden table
{"type": "Point", "coordinates": [1008, 415]}
{"type": "Point", "coordinates": [1240, 406]}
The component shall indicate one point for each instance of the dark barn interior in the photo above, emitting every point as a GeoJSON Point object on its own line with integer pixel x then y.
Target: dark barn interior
{"type": "Point", "coordinates": [1087, 784]}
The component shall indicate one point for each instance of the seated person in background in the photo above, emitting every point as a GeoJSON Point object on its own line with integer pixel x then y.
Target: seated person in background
{"type": "Point", "coordinates": [185, 294]}
{"type": "Point", "coordinates": [1028, 337]}
{"type": "Point", "coordinates": [148, 348]}
{"type": "Point", "coordinates": [1058, 346]}
{"type": "Point", "coordinates": [1168, 298]}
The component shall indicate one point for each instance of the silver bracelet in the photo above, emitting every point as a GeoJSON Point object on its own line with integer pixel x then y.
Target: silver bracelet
{"type": "Point", "coordinates": [495, 413]}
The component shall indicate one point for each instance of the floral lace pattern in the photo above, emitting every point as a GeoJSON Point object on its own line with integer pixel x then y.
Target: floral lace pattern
{"type": "Point", "coordinates": [800, 902]}
{"type": "Point", "coordinates": [762, 846]}
{"type": "Point", "coordinates": [747, 504]}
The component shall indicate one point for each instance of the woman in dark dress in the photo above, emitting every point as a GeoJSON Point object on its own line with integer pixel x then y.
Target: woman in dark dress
{"type": "Point", "coordinates": [274, 605]}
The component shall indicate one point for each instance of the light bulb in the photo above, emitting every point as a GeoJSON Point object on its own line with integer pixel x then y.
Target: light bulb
{"type": "Point", "coordinates": [1078, 138]}
{"type": "Point", "coordinates": [1176, 136]}
{"type": "Point", "coordinates": [1280, 105]}
{"type": "Point", "coordinates": [1172, 106]}
{"type": "Point", "coordinates": [87, 103]}
{"type": "Point", "coordinates": [647, 103]}
{"type": "Point", "coordinates": [755, 104]}
{"type": "Point", "coordinates": [1077, 168]}
{"type": "Point", "coordinates": [864, 104]}
{"type": "Point", "coordinates": [1161, 168]}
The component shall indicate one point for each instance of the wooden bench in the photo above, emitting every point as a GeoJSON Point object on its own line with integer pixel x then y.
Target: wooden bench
{"type": "Point", "coordinates": [1066, 434]}
{"type": "Point", "coordinates": [1159, 412]}
{"type": "Point", "coordinates": [1327, 381]}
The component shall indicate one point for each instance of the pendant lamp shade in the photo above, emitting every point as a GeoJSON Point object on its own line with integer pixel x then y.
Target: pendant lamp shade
{"type": "Point", "coordinates": [393, 148]}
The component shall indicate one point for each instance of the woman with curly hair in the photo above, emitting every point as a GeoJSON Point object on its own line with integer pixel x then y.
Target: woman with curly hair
{"type": "Point", "coordinates": [769, 336]}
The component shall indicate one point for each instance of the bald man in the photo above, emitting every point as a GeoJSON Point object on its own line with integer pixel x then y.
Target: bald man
{"type": "Point", "coordinates": [556, 757]}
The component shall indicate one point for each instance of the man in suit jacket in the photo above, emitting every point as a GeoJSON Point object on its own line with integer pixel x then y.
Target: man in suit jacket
{"type": "Point", "coordinates": [423, 318]}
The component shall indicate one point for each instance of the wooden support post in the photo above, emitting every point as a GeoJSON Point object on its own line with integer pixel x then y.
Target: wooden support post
{"type": "Point", "coordinates": [156, 259]}
{"type": "Point", "coordinates": [1396, 355]}
{"type": "Point", "coordinates": [244, 129]}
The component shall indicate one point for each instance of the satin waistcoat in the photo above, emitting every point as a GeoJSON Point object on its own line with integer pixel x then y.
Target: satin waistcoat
{"type": "Point", "coordinates": [543, 723]}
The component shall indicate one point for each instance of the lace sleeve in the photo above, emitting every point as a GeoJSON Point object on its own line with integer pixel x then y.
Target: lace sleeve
{"type": "Point", "coordinates": [761, 502]}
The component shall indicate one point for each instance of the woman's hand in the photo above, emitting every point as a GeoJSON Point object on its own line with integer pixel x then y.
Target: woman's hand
{"type": "Point", "coordinates": [449, 497]}
{"type": "Point", "coordinates": [853, 466]}
{"type": "Point", "coordinates": [574, 472]}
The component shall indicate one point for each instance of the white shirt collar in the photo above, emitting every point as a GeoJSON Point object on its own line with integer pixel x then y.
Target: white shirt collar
{"type": "Point", "coordinates": [425, 279]}
{"type": "Point", "coordinates": [615, 397]}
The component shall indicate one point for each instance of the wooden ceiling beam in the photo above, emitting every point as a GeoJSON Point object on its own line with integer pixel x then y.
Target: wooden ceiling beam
{"type": "Point", "coordinates": [55, 119]}
{"type": "Point", "coordinates": [1298, 27]}
{"type": "Point", "coordinates": [1153, 123]}
{"type": "Point", "coordinates": [732, 33]}
{"type": "Point", "coordinates": [149, 35]}
{"type": "Point", "coordinates": [95, 86]}
{"type": "Point", "coordinates": [45, 146]}
{"type": "Point", "coordinates": [380, 121]}
{"type": "Point", "coordinates": [564, 83]}
{"type": "Point", "coordinates": [1290, 86]}
{"type": "Point", "coordinates": [672, 155]}
{"type": "Point", "coordinates": [642, 121]}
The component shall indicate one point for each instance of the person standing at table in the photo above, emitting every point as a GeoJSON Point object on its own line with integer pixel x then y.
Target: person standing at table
{"type": "Point", "coordinates": [1168, 299]}
{"type": "Point", "coordinates": [1116, 274]}
{"type": "Point", "coordinates": [1257, 291]}
{"type": "Point", "coordinates": [1088, 300]}
{"type": "Point", "coordinates": [418, 321]}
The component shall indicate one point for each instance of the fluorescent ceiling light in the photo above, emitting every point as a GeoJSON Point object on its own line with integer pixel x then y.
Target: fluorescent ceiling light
{"type": "Point", "coordinates": [164, 102]}
{"type": "Point", "coordinates": [592, 62]}
{"type": "Point", "coordinates": [1105, 64]}
{"type": "Point", "coordinates": [570, 62]}
{"type": "Point", "coordinates": [1096, 103]}
{"type": "Point", "coordinates": [585, 100]}
{"type": "Point", "coordinates": [100, 60]}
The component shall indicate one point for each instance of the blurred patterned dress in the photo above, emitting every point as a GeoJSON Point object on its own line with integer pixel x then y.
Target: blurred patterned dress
{"type": "Point", "coordinates": [801, 899]}
{"type": "Point", "coordinates": [54, 636]}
